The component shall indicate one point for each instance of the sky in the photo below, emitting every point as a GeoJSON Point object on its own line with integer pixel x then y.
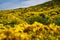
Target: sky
{"type": "Point", "coordinates": [12, 4]}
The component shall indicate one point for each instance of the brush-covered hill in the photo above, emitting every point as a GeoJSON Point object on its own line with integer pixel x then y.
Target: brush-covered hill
{"type": "Point", "coordinates": [40, 22]}
{"type": "Point", "coordinates": [45, 13]}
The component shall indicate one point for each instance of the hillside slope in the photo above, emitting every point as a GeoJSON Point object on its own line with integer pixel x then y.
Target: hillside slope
{"type": "Point", "coordinates": [45, 13]}
{"type": "Point", "coordinates": [40, 22]}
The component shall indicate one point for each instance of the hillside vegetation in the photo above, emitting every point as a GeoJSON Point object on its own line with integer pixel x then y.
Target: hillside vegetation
{"type": "Point", "coordinates": [40, 22]}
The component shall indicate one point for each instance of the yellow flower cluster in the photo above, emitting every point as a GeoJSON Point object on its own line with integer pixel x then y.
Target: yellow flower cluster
{"type": "Point", "coordinates": [35, 31]}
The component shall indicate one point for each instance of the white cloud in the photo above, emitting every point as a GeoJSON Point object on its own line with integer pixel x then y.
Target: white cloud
{"type": "Point", "coordinates": [12, 5]}
{"type": "Point", "coordinates": [32, 2]}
